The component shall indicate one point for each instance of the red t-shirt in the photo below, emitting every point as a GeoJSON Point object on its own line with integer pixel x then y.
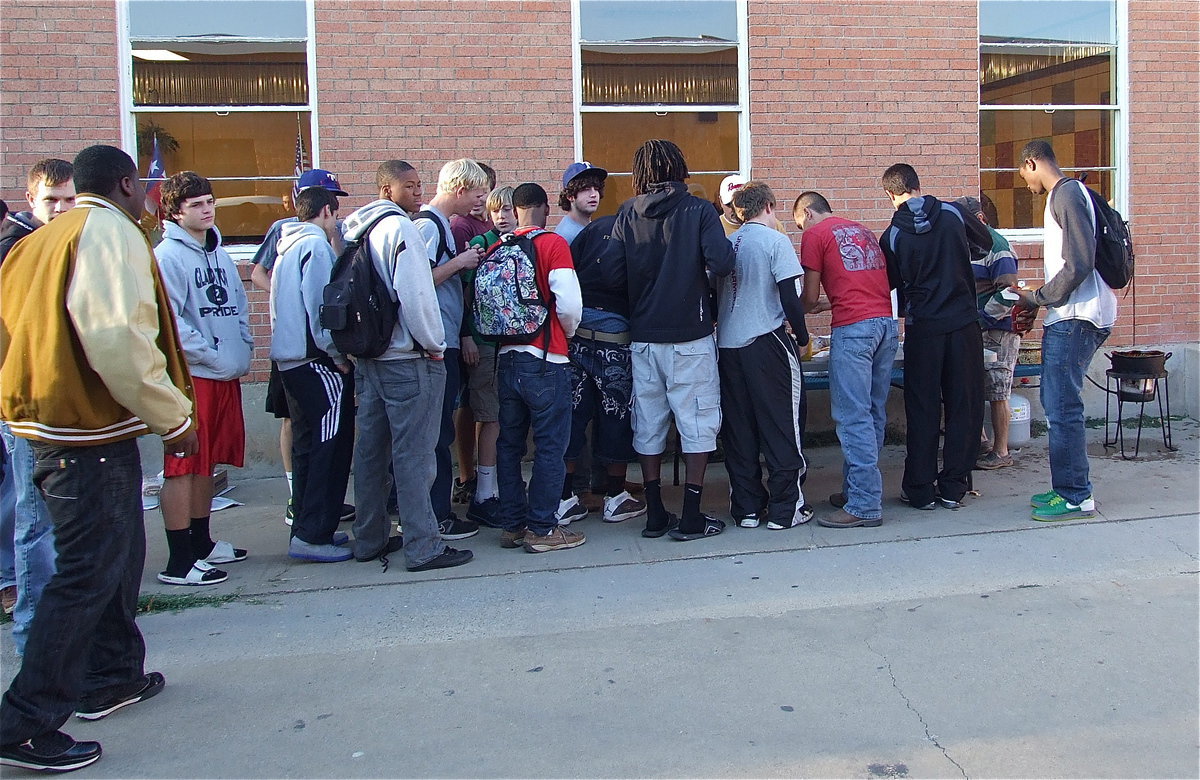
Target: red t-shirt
{"type": "Point", "coordinates": [852, 268]}
{"type": "Point", "coordinates": [553, 253]}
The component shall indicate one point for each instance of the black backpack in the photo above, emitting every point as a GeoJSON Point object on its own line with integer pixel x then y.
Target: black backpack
{"type": "Point", "coordinates": [443, 249]}
{"type": "Point", "coordinates": [357, 306]}
{"type": "Point", "coordinates": [1114, 244]}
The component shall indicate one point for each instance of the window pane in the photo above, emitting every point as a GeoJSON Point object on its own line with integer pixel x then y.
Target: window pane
{"type": "Point", "coordinates": [205, 80]}
{"type": "Point", "coordinates": [195, 18]}
{"type": "Point", "coordinates": [709, 141]}
{"type": "Point", "coordinates": [1047, 52]}
{"type": "Point", "coordinates": [1061, 76]}
{"type": "Point", "coordinates": [661, 20]}
{"type": "Point", "coordinates": [1081, 140]}
{"type": "Point", "coordinates": [238, 145]}
{"type": "Point", "coordinates": [686, 78]}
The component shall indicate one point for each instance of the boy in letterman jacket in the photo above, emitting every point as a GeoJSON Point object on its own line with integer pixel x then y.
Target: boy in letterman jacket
{"type": "Point", "coordinates": [211, 313]}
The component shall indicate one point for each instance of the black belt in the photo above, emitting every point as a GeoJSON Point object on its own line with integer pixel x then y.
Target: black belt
{"type": "Point", "coordinates": [596, 335]}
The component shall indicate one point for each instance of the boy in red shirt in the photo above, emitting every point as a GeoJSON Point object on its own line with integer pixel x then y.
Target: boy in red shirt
{"type": "Point", "coordinates": [535, 392]}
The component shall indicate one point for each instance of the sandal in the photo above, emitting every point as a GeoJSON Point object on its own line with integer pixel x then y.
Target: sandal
{"type": "Point", "coordinates": [224, 552]}
{"type": "Point", "coordinates": [654, 533]}
{"type": "Point", "coordinates": [201, 573]}
{"type": "Point", "coordinates": [712, 526]}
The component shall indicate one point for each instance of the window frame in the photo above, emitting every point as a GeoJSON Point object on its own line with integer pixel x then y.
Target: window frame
{"type": "Point", "coordinates": [129, 110]}
{"type": "Point", "coordinates": [1119, 109]}
{"type": "Point", "coordinates": [742, 108]}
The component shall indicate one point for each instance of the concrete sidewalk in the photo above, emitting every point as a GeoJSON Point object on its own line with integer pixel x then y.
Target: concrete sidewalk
{"type": "Point", "coordinates": [1158, 484]}
{"type": "Point", "coordinates": [969, 643]}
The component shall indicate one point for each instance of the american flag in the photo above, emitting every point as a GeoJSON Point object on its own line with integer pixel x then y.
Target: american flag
{"type": "Point", "coordinates": [301, 163]}
{"type": "Point", "coordinates": [156, 174]}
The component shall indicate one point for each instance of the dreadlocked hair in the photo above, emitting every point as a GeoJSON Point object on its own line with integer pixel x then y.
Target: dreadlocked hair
{"type": "Point", "coordinates": [657, 161]}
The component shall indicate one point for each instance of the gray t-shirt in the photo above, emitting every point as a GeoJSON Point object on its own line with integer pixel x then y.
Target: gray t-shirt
{"type": "Point", "coordinates": [449, 292]}
{"type": "Point", "coordinates": [748, 299]}
{"type": "Point", "coordinates": [568, 228]}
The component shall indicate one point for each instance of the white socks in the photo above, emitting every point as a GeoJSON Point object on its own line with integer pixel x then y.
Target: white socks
{"type": "Point", "coordinates": [485, 483]}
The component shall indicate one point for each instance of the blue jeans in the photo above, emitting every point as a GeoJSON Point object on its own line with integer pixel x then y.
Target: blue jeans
{"type": "Point", "coordinates": [8, 519]}
{"type": "Point", "coordinates": [33, 535]}
{"type": "Point", "coordinates": [1067, 350]}
{"type": "Point", "coordinates": [84, 639]}
{"type": "Point", "coordinates": [860, 376]}
{"type": "Point", "coordinates": [533, 393]}
{"type": "Point", "coordinates": [399, 402]}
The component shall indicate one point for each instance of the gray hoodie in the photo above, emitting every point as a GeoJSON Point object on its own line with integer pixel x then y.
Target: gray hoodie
{"type": "Point", "coordinates": [211, 310]}
{"type": "Point", "coordinates": [399, 254]}
{"type": "Point", "coordinates": [302, 266]}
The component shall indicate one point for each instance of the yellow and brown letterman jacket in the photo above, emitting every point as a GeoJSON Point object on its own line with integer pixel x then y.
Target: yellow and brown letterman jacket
{"type": "Point", "coordinates": [89, 353]}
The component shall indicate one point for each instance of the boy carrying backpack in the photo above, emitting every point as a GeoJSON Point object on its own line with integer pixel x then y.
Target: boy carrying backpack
{"type": "Point", "coordinates": [528, 299]}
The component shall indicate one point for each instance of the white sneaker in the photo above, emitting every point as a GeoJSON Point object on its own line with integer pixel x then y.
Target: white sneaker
{"type": "Point", "coordinates": [749, 521]}
{"type": "Point", "coordinates": [570, 510]}
{"type": "Point", "coordinates": [622, 507]}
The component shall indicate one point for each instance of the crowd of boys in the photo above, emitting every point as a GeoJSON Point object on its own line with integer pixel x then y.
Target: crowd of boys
{"type": "Point", "coordinates": [659, 314]}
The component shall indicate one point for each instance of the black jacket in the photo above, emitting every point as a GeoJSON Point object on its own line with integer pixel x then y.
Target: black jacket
{"type": "Point", "coordinates": [16, 226]}
{"type": "Point", "coordinates": [664, 241]}
{"type": "Point", "coordinates": [590, 249]}
{"type": "Point", "coordinates": [929, 248]}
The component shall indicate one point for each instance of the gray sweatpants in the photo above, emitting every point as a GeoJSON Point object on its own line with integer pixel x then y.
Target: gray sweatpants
{"type": "Point", "coordinates": [399, 409]}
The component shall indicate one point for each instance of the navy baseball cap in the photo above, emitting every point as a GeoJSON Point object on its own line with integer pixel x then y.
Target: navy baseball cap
{"type": "Point", "coordinates": [574, 169]}
{"type": "Point", "coordinates": [317, 177]}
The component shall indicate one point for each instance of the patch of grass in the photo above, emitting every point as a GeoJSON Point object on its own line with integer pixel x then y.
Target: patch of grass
{"type": "Point", "coordinates": [1132, 422]}
{"type": "Point", "coordinates": [171, 602]}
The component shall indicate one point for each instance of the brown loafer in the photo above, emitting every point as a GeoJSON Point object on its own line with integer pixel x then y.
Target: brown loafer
{"type": "Point", "coordinates": [843, 519]}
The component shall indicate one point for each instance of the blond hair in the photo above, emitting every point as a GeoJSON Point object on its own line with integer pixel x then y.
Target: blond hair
{"type": "Point", "coordinates": [464, 174]}
{"type": "Point", "coordinates": [499, 198]}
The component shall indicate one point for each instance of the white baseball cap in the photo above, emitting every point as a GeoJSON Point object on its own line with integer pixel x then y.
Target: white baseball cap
{"type": "Point", "coordinates": [729, 185]}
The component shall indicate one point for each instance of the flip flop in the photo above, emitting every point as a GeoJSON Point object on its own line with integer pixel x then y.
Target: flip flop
{"type": "Point", "coordinates": [224, 552]}
{"type": "Point", "coordinates": [654, 533]}
{"type": "Point", "coordinates": [201, 573]}
{"type": "Point", "coordinates": [712, 527]}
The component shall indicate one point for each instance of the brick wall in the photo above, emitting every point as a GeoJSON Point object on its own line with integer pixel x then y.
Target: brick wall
{"type": "Point", "coordinates": [60, 85]}
{"type": "Point", "coordinates": [838, 93]}
{"type": "Point", "coordinates": [841, 91]}
{"type": "Point", "coordinates": [436, 80]}
{"type": "Point", "coordinates": [1164, 156]}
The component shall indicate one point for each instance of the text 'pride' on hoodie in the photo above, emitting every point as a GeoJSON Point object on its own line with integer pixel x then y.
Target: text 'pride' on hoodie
{"type": "Point", "coordinates": [209, 301]}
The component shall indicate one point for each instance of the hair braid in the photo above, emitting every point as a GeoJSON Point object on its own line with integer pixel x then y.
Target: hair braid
{"type": "Point", "coordinates": [655, 162]}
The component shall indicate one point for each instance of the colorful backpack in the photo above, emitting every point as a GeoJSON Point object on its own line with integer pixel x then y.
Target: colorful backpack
{"type": "Point", "coordinates": [509, 307]}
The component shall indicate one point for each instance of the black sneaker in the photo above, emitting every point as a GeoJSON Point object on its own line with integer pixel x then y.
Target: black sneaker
{"type": "Point", "coordinates": [53, 751]}
{"type": "Point", "coordinates": [904, 497]}
{"type": "Point", "coordinates": [393, 544]}
{"type": "Point", "coordinates": [347, 515]}
{"type": "Point", "coordinates": [452, 528]}
{"type": "Point", "coordinates": [485, 512]}
{"type": "Point", "coordinates": [147, 687]}
{"type": "Point", "coordinates": [463, 491]}
{"type": "Point", "coordinates": [450, 557]}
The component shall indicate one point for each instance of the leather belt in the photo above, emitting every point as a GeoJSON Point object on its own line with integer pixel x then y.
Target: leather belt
{"type": "Point", "coordinates": [596, 335]}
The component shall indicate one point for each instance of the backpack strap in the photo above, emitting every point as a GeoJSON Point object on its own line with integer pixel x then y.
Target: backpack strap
{"type": "Point", "coordinates": [443, 241]}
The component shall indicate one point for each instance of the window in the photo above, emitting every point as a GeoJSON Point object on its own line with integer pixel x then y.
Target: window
{"type": "Point", "coordinates": [223, 89]}
{"type": "Point", "coordinates": [1048, 69]}
{"type": "Point", "coordinates": [671, 69]}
